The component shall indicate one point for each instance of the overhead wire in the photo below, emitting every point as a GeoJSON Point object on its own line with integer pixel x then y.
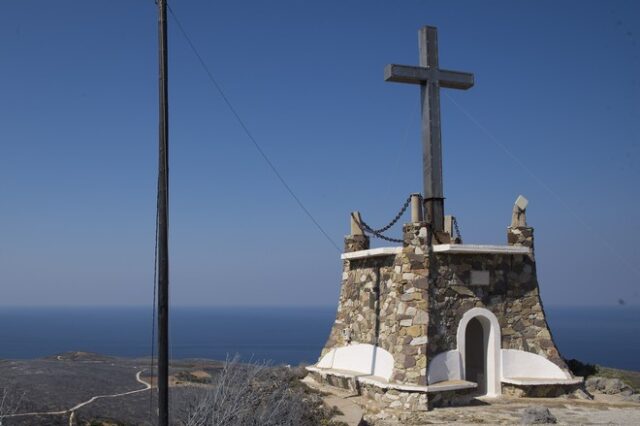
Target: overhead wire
{"type": "Point", "coordinates": [248, 133]}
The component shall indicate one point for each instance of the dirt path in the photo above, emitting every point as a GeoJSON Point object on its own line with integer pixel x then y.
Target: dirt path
{"type": "Point", "coordinates": [71, 411]}
{"type": "Point", "coordinates": [351, 412]}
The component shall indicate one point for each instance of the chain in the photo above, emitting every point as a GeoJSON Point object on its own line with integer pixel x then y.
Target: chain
{"type": "Point", "coordinates": [395, 219]}
{"type": "Point", "coordinates": [367, 229]}
{"type": "Point", "coordinates": [378, 232]}
{"type": "Point", "coordinates": [455, 224]}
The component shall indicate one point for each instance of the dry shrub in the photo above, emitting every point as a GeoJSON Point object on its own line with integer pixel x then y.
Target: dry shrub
{"type": "Point", "coordinates": [251, 395]}
{"type": "Point", "coordinates": [10, 401]}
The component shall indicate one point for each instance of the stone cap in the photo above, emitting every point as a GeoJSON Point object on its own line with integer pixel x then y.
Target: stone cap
{"type": "Point", "coordinates": [479, 249]}
{"type": "Point", "coordinates": [535, 381]}
{"type": "Point", "coordinates": [376, 252]}
{"type": "Point", "coordinates": [440, 248]}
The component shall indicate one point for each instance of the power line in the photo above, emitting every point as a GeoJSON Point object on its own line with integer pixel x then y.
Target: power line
{"type": "Point", "coordinates": [248, 132]}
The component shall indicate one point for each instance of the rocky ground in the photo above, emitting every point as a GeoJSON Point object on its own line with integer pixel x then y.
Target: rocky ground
{"type": "Point", "coordinates": [514, 411]}
{"type": "Point", "coordinates": [50, 387]}
{"type": "Point", "coordinates": [615, 401]}
{"type": "Point", "coordinates": [80, 388]}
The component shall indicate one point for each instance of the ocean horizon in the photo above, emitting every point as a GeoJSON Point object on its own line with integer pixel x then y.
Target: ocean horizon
{"type": "Point", "coordinates": [608, 336]}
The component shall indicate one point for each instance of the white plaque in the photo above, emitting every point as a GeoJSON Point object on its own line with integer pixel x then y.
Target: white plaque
{"type": "Point", "coordinates": [479, 277]}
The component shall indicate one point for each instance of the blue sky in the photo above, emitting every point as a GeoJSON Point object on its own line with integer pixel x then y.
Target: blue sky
{"type": "Point", "coordinates": [554, 115]}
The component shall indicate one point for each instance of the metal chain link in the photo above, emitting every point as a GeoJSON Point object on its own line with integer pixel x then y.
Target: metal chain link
{"type": "Point", "coordinates": [378, 232]}
{"type": "Point", "coordinates": [455, 224]}
{"type": "Point", "coordinates": [395, 219]}
{"type": "Point", "coordinates": [366, 229]}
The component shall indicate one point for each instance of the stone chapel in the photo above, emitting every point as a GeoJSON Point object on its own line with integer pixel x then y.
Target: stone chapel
{"type": "Point", "coordinates": [432, 321]}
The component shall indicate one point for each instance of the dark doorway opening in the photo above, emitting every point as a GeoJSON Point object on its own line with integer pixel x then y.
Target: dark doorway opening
{"type": "Point", "coordinates": [476, 355]}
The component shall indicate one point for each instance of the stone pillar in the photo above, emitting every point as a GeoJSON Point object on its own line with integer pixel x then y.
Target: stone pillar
{"type": "Point", "coordinates": [520, 236]}
{"type": "Point", "coordinates": [518, 233]}
{"type": "Point", "coordinates": [416, 236]}
{"type": "Point", "coordinates": [355, 243]}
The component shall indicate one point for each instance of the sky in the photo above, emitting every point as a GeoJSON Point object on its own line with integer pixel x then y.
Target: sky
{"type": "Point", "coordinates": [554, 115]}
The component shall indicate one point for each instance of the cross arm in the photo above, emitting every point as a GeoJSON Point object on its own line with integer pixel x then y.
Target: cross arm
{"type": "Point", "coordinates": [419, 75]}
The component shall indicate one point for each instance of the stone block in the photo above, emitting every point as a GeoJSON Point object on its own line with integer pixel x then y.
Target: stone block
{"type": "Point", "coordinates": [421, 317]}
{"type": "Point", "coordinates": [422, 340]}
{"type": "Point", "coordinates": [462, 290]}
{"type": "Point", "coordinates": [414, 331]}
{"type": "Point", "coordinates": [535, 415]}
{"type": "Point", "coordinates": [421, 283]}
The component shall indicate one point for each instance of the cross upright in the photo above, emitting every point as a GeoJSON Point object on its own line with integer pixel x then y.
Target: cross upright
{"type": "Point", "coordinates": [430, 78]}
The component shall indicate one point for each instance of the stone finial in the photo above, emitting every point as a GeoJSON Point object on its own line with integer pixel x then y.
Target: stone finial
{"type": "Point", "coordinates": [519, 234]}
{"type": "Point", "coordinates": [519, 216]}
{"type": "Point", "coordinates": [355, 223]}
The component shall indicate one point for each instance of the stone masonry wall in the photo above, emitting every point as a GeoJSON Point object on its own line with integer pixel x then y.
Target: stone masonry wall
{"type": "Point", "coordinates": [410, 304]}
{"type": "Point", "coordinates": [404, 318]}
{"type": "Point", "coordinates": [358, 306]}
{"type": "Point", "coordinates": [383, 301]}
{"type": "Point", "coordinates": [512, 295]}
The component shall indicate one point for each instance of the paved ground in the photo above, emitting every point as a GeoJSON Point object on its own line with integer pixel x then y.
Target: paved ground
{"type": "Point", "coordinates": [509, 410]}
{"type": "Point", "coordinates": [609, 410]}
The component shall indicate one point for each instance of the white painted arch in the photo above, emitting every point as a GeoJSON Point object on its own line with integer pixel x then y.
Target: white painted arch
{"type": "Point", "coordinates": [491, 329]}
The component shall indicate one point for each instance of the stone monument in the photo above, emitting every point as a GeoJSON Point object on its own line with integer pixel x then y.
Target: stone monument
{"type": "Point", "coordinates": [432, 321]}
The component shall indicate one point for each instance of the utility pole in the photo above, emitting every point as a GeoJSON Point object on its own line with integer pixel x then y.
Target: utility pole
{"type": "Point", "coordinates": [163, 222]}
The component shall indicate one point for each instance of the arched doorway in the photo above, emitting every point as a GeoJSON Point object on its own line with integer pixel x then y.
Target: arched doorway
{"type": "Point", "coordinates": [476, 355]}
{"type": "Point", "coordinates": [479, 347]}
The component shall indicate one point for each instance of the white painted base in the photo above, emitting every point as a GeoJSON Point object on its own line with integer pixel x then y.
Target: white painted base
{"type": "Point", "coordinates": [517, 363]}
{"type": "Point", "coordinates": [359, 358]}
{"type": "Point", "coordinates": [445, 366]}
{"type": "Point", "coordinates": [528, 381]}
{"type": "Point", "coordinates": [385, 384]}
{"type": "Point", "coordinates": [516, 367]}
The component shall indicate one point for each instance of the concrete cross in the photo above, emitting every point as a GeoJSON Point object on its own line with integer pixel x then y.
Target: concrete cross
{"type": "Point", "coordinates": [430, 78]}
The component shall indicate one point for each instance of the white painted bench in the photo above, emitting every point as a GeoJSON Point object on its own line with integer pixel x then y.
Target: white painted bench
{"type": "Point", "coordinates": [368, 364]}
{"type": "Point", "coordinates": [516, 367]}
{"type": "Point", "coordinates": [360, 359]}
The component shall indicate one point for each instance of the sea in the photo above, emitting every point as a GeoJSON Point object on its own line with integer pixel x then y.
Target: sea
{"type": "Point", "coordinates": [608, 336]}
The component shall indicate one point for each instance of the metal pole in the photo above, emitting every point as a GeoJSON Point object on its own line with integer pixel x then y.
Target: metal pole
{"type": "Point", "coordinates": [163, 223]}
